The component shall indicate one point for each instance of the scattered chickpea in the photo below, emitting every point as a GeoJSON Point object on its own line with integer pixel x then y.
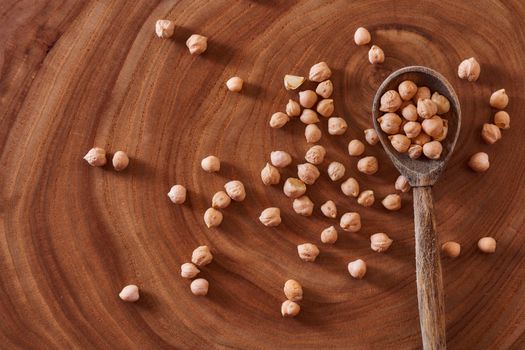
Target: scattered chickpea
{"type": "Point", "coordinates": [442, 103]}
{"type": "Point", "coordinates": [350, 187]}
{"type": "Point", "coordinates": [307, 98]}
{"type": "Point", "coordinates": [189, 270]}
{"type": "Point", "coordinates": [356, 148]}
{"type": "Point", "coordinates": [412, 129]}
{"type": "Point", "coordinates": [329, 235]}
{"type": "Point", "coordinates": [362, 36]}
{"type": "Point", "coordinates": [368, 165]}
{"type": "Point", "coordinates": [433, 126]}
{"type": "Point", "coordinates": [357, 269]}
{"type": "Point", "coordinates": [329, 209]}
{"type": "Point", "coordinates": [308, 252]}
{"type": "Point", "coordinates": [120, 160]}
{"type": "Point", "coordinates": [392, 202]}
{"type": "Point", "coordinates": [376, 55]}
{"type": "Point", "coordinates": [371, 136]}
{"type": "Point", "coordinates": [280, 159]}
{"type": "Point", "coordinates": [270, 217]}
{"type": "Point", "coordinates": [415, 151]}
{"type": "Point", "coordinates": [201, 256]}
{"type": "Point", "coordinates": [199, 287]}
{"type": "Point", "coordinates": [326, 107]}
{"type": "Point", "coordinates": [130, 293]}
{"type": "Point", "coordinates": [164, 28]}
{"type": "Point", "coordinates": [325, 89]}
{"type": "Point", "coordinates": [407, 90]}
{"type": "Point", "coordinates": [401, 143]}
{"type": "Point", "coordinates": [479, 162]}
{"type": "Point", "coordinates": [220, 200]}
{"type": "Point", "coordinates": [487, 245]}
{"type": "Point", "coordinates": [197, 44]}
{"type": "Point", "coordinates": [270, 175]}
{"type": "Point", "coordinates": [499, 99]}
{"type": "Point", "coordinates": [235, 189]}
{"type": "Point", "coordinates": [350, 222]}
{"type": "Point", "coordinates": [390, 101]}
{"type": "Point", "coordinates": [177, 194]}
{"type": "Point", "coordinates": [211, 164]}
{"type": "Point", "coordinates": [212, 217]}
{"type": "Point", "coordinates": [315, 154]}
{"type": "Point", "coordinates": [423, 93]}
{"type": "Point", "coordinates": [294, 188]}
{"type": "Point", "coordinates": [380, 242]}
{"type": "Point", "coordinates": [426, 108]}
{"type": "Point", "coordinates": [292, 82]}
{"type": "Point", "coordinates": [308, 116]}
{"type": "Point", "coordinates": [293, 290]}
{"type": "Point", "coordinates": [469, 69]}
{"type": "Point", "coordinates": [312, 133]}
{"type": "Point", "coordinates": [432, 149]}
{"type": "Point", "coordinates": [366, 198]}
{"type": "Point", "coordinates": [319, 72]}
{"type": "Point", "coordinates": [303, 206]}
{"type": "Point", "coordinates": [290, 308]}
{"type": "Point", "coordinates": [451, 249]}
{"type": "Point", "coordinates": [502, 120]}
{"type": "Point", "coordinates": [96, 157]}
{"type": "Point", "coordinates": [336, 171]}
{"type": "Point", "coordinates": [390, 123]}
{"type": "Point", "coordinates": [421, 139]}
{"type": "Point", "coordinates": [409, 112]}
{"type": "Point", "coordinates": [402, 184]}
{"type": "Point", "coordinates": [490, 133]}
{"type": "Point", "coordinates": [337, 126]}
{"type": "Point", "coordinates": [278, 120]}
{"type": "Point", "coordinates": [235, 84]}
{"type": "Point", "coordinates": [308, 173]}
{"type": "Point", "coordinates": [293, 109]}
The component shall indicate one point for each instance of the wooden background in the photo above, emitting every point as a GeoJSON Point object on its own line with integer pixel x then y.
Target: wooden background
{"type": "Point", "coordinates": [80, 73]}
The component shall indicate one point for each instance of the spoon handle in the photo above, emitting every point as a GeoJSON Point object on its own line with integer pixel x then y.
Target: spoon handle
{"type": "Point", "coordinates": [428, 272]}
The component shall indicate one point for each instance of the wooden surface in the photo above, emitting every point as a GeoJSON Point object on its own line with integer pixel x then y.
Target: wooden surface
{"type": "Point", "coordinates": [80, 73]}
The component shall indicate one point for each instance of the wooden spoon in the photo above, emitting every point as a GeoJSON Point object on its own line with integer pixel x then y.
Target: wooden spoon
{"type": "Point", "coordinates": [422, 174]}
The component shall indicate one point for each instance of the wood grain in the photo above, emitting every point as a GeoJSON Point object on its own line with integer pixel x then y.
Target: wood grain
{"type": "Point", "coordinates": [80, 73]}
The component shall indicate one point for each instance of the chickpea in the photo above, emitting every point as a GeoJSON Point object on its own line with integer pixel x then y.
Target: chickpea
{"type": "Point", "coordinates": [201, 256]}
{"type": "Point", "coordinates": [366, 198]}
{"type": "Point", "coordinates": [350, 187]}
{"type": "Point", "coordinates": [390, 123]}
{"type": "Point", "coordinates": [200, 287]}
{"type": "Point", "coordinates": [319, 72]}
{"type": "Point", "coordinates": [294, 188]}
{"type": "Point", "coordinates": [325, 107]}
{"type": "Point", "coordinates": [177, 194]}
{"type": "Point", "coordinates": [303, 206]}
{"type": "Point", "coordinates": [234, 84]}
{"type": "Point", "coordinates": [189, 270]}
{"type": "Point", "coordinates": [290, 309]}
{"type": "Point", "coordinates": [357, 269]}
{"type": "Point", "coordinates": [392, 202]}
{"type": "Point", "coordinates": [380, 242]}
{"type": "Point", "coordinates": [308, 173]}
{"type": "Point", "coordinates": [293, 290]}
{"type": "Point", "coordinates": [400, 142]}
{"type": "Point", "coordinates": [407, 90]}
{"type": "Point", "coordinates": [362, 36]}
{"type": "Point", "coordinates": [130, 293]}
{"type": "Point", "coordinates": [120, 160]}
{"type": "Point", "coordinates": [356, 148]}
{"type": "Point", "coordinates": [278, 120]}
{"type": "Point", "coordinates": [211, 164]}
{"type": "Point", "coordinates": [293, 109]}
{"type": "Point", "coordinates": [235, 189]}
{"type": "Point", "coordinates": [442, 103]}
{"type": "Point", "coordinates": [499, 99]}
{"type": "Point", "coordinates": [490, 133]}
{"type": "Point", "coordinates": [368, 165]}
{"type": "Point", "coordinates": [312, 133]}
{"type": "Point", "coordinates": [337, 126]}
{"type": "Point", "coordinates": [479, 162]}
{"type": "Point", "coordinates": [371, 136]}
{"type": "Point", "coordinates": [315, 154]}
{"type": "Point", "coordinates": [421, 139]}
{"type": "Point", "coordinates": [329, 209]}
{"type": "Point", "coordinates": [390, 101]}
{"type": "Point", "coordinates": [212, 217]}
{"type": "Point", "coordinates": [96, 157]}
{"type": "Point", "coordinates": [308, 116]}
{"type": "Point", "coordinates": [415, 151]}
{"type": "Point", "coordinates": [451, 249]}
{"type": "Point", "coordinates": [444, 133]}
{"type": "Point", "coordinates": [422, 93]}
{"type": "Point", "coordinates": [307, 98]}
{"type": "Point", "coordinates": [426, 108]}
{"type": "Point", "coordinates": [487, 245]}
{"type": "Point", "coordinates": [376, 55]}
{"type": "Point", "coordinates": [280, 159]}
{"type": "Point", "coordinates": [270, 175]}
{"type": "Point", "coordinates": [270, 217]}
{"type": "Point", "coordinates": [432, 149]}
{"type": "Point", "coordinates": [469, 69]}
{"type": "Point", "coordinates": [350, 222]}
{"type": "Point", "coordinates": [220, 200]}
{"type": "Point", "coordinates": [308, 252]}
{"type": "Point", "coordinates": [336, 171]}
{"type": "Point", "coordinates": [502, 120]}
{"type": "Point", "coordinates": [329, 235]}
{"type": "Point", "coordinates": [409, 112]}
{"type": "Point", "coordinates": [412, 129]}
{"type": "Point", "coordinates": [325, 89]}
{"type": "Point", "coordinates": [402, 184]}
{"type": "Point", "coordinates": [433, 127]}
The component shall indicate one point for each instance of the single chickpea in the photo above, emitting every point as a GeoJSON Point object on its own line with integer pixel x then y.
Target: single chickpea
{"type": "Point", "coordinates": [426, 108]}
{"type": "Point", "coordinates": [350, 187]}
{"type": "Point", "coordinates": [412, 129]}
{"type": "Point", "coordinates": [293, 109]}
{"type": "Point", "coordinates": [356, 148]}
{"type": "Point", "coordinates": [421, 139]}
{"type": "Point", "coordinates": [307, 98]}
{"type": "Point", "coordinates": [422, 93]}
{"type": "Point", "coordinates": [490, 133]}
{"type": "Point", "coordinates": [409, 112]}
{"type": "Point", "coordinates": [235, 189]}
{"type": "Point", "coordinates": [502, 120]}
{"type": "Point", "coordinates": [479, 162]}
{"type": "Point", "coordinates": [120, 161]}
{"type": "Point", "coordinates": [366, 198]}
{"type": "Point", "coordinates": [308, 173]}
{"type": "Point", "coordinates": [129, 293]}
{"type": "Point", "coordinates": [357, 269]}
{"type": "Point", "coordinates": [442, 103]}
{"type": "Point", "coordinates": [329, 209]}
{"type": "Point", "coordinates": [444, 133]}
{"type": "Point", "coordinates": [362, 36]}
{"type": "Point", "coordinates": [315, 154]}
{"type": "Point", "coordinates": [201, 256]}
{"type": "Point", "coordinates": [326, 107]}
{"type": "Point", "coordinates": [312, 133]}
{"type": "Point", "coordinates": [390, 101]}
{"type": "Point", "coordinates": [188, 270]}
{"type": "Point", "coordinates": [294, 188]}
{"type": "Point", "coordinates": [308, 116]}
{"type": "Point", "coordinates": [319, 72]}
{"type": "Point", "coordinates": [96, 157]}
{"type": "Point", "coordinates": [380, 242]}
{"type": "Point", "coordinates": [433, 127]}
{"type": "Point", "coordinates": [270, 217]}
{"type": "Point", "coordinates": [308, 252]}
{"type": "Point", "coordinates": [278, 120]}
{"type": "Point", "coordinates": [415, 151]}
{"type": "Point", "coordinates": [177, 194]}
{"type": "Point", "coordinates": [212, 217]}
{"type": "Point", "coordinates": [211, 164]}
{"type": "Point", "coordinates": [350, 222]}
{"type": "Point", "coordinates": [290, 309]}
{"type": "Point", "coordinates": [199, 287]}
{"type": "Point", "coordinates": [234, 84]}
{"type": "Point", "coordinates": [280, 159]}
{"type": "Point", "coordinates": [469, 69]}
{"type": "Point", "coordinates": [368, 165]}
{"type": "Point", "coordinates": [376, 55]}
{"type": "Point", "coordinates": [270, 175]}
{"type": "Point", "coordinates": [293, 290]}
{"type": "Point", "coordinates": [325, 89]}
{"type": "Point", "coordinates": [164, 28]}
{"type": "Point", "coordinates": [451, 249]}
{"type": "Point", "coordinates": [400, 142]}
{"type": "Point", "coordinates": [407, 89]}
{"type": "Point", "coordinates": [402, 184]}
{"type": "Point", "coordinates": [292, 82]}
{"type": "Point", "coordinates": [371, 136]}
{"type": "Point", "coordinates": [220, 200]}
{"type": "Point", "coordinates": [336, 171]}
{"type": "Point", "coordinates": [197, 44]}
{"type": "Point", "coordinates": [337, 126]}
{"type": "Point", "coordinates": [303, 206]}
{"type": "Point", "coordinates": [329, 235]}
{"type": "Point", "coordinates": [487, 245]}
{"type": "Point", "coordinates": [432, 149]}
{"type": "Point", "coordinates": [390, 123]}
{"type": "Point", "coordinates": [392, 202]}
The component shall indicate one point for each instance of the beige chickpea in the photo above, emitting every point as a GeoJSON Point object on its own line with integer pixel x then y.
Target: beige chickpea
{"type": "Point", "coordinates": [350, 222]}
{"type": "Point", "coordinates": [293, 109]}
{"type": "Point", "coordinates": [469, 69]}
{"type": "Point", "coordinates": [308, 116]}
{"type": "Point", "coordinates": [356, 148]}
{"type": "Point", "coordinates": [422, 93]}
{"type": "Point", "coordinates": [235, 84]}
{"type": "Point", "coordinates": [380, 242]}
{"type": "Point", "coordinates": [368, 165]}
{"type": "Point", "coordinates": [129, 293]}
{"type": "Point", "coordinates": [96, 157]}
{"type": "Point", "coordinates": [278, 120]}
{"type": "Point", "coordinates": [308, 173]}
{"type": "Point", "coordinates": [409, 112]}
{"type": "Point", "coordinates": [294, 188]}
{"type": "Point", "coordinates": [164, 28]}
{"type": "Point", "coordinates": [426, 108]}
{"type": "Point", "coordinates": [376, 55]}
{"type": "Point", "coordinates": [390, 101]}
{"type": "Point", "coordinates": [362, 36]}
{"type": "Point", "coordinates": [308, 252]}
{"type": "Point", "coordinates": [201, 256]}
{"type": "Point", "coordinates": [337, 126]}
{"type": "Point", "coordinates": [444, 132]}
{"type": "Point", "coordinates": [220, 200]}
{"type": "Point", "coordinates": [392, 202]}
{"type": "Point", "coordinates": [293, 290]}
{"type": "Point", "coordinates": [235, 189]}
{"type": "Point", "coordinates": [329, 209]}
{"type": "Point", "coordinates": [412, 129]}
{"type": "Point", "coordinates": [303, 206]}
{"type": "Point", "coordinates": [407, 89]}
{"type": "Point", "coordinates": [487, 245]}
{"type": "Point", "coordinates": [270, 175]}
{"type": "Point", "coordinates": [371, 136]}
{"type": "Point", "coordinates": [402, 184]}
{"type": "Point", "coordinates": [120, 161]}
{"type": "Point", "coordinates": [270, 217]}
{"type": "Point", "coordinates": [177, 194]}
{"type": "Point", "coordinates": [312, 133]}
{"type": "Point", "coordinates": [290, 309]}
{"type": "Point", "coordinates": [307, 98]}
{"type": "Point", "coordinates": [442, 103]}
{"type": "Point", "coordinates": [502, 120]}
{"type": "Point", "coordinates": [421, 138]}
{"type": "Point", "coordinates": [212, 217]}
{"type": "Point", "coordinates": [390, 123]}
{"type": "Point", "coordinates": [211, 164]}
{"type": "Point", "coordinates": [280, 159]}
{"type": "Point", "coordinates": [490, 133]}
{"type": "Point", "coordinates": [189, 270]}
{"type": "Point", "coordinates": [329, 235]}
{"type": "Point", "coordinates": [432, 149]}
{"type": "Point", "coordinates": [325, 89]}
{"type": "Point", "coordinates": [326, 107]}
{"type": "Point", "coordinates": [319, 72]}
{"type": "Point", "coordinates": [451, 249]}
{"type": "Point", "coordinates": [315, 154]}
{"type": "Point", "coordinates": [350, 187]}
{"type": "Point", "coordinates": [197, 44]}
{"type": "Point", "coordinates": [292, 82]}
{"type": "Point", "coordinates": [357, 269]}
{"type": "Point", "coordinates": [199, 287]}
{"type": "Point", "coordinates": [400, 142]}
{"type": "Point", "coordinates": [479, 162]}
{"type": "Point", "coordinates": [336, 171]}
{"type": "Point", "coordinates": [415, 151]}
{"type": "Point", "coordinates": [433, 127]}
{"type": "Point", "coordinates": [499, 99]}
{"type": "Point", "coordinates": [366, 198]}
